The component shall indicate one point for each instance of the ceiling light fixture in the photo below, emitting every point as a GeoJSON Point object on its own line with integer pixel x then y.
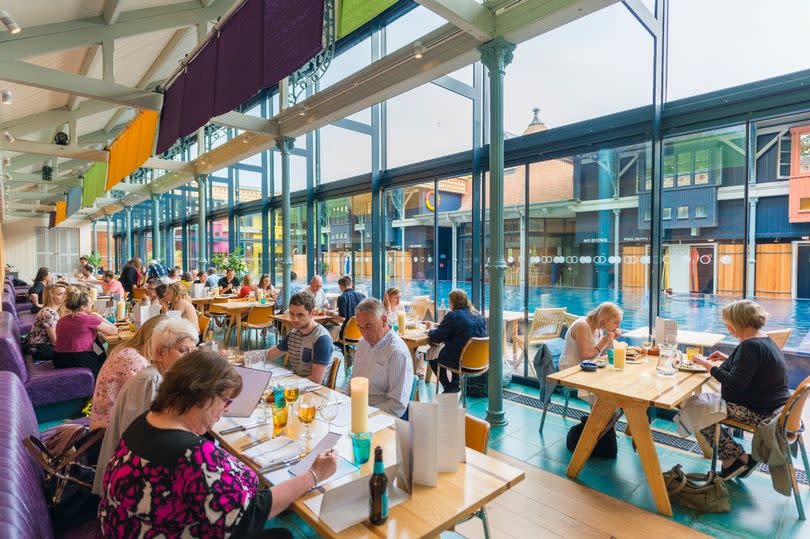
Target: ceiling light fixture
{"type": "Point", "coordinates": [302, 110]}
{"type": "Point", "coordinates": [6, 97]}
{"type": "Point", "coordinates": [10, 24]}
{"type": "Point", "coordinates": [419, 50]}
{"type": "Point", "coordinates": [9, 137]}
{"type": "Point", "coordinates": [6, 161]}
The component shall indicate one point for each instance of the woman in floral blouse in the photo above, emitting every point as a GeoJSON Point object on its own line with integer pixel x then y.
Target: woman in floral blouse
{"type": "Point", "coordinates": [41, 340]}
{"type": "Point", "coordinates": [166, 480]}
{"type": "Point", "coordinates": [123, 363]}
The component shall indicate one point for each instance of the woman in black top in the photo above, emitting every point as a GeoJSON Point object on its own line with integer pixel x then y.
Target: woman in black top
{"type": "Point", "coordinates": [130, 275]}
{"type": "Point", "coordinates": [753, 381]}
{"type": "Point", "coordinates": [42, 280]}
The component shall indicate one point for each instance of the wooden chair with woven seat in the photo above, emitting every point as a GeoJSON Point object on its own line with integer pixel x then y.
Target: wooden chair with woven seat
{"type": "Point", "coordinates": [792, 429]}
{"type": "Point", "coordinates": [570, 318]}
{"type": "Point", "coordinates": [259, 317]}
{"type": "Point", "coordinates": [780, 336]}
{"type": "Point", "coordinates": [476, 432]}
{"type": "Point", "coordinates": [333, 372]}
{"type": "Point", "coordinates": [473, 361]}
{"type": "Point", "coordinates": [547, 324]}
{"type": "Point", "coordinates": [351, 336]}
{"type": "Point", "coordinates": [205, 327]}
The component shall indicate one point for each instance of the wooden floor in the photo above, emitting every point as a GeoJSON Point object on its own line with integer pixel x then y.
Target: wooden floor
{"type": "Point", "coordinates": [547, 505]}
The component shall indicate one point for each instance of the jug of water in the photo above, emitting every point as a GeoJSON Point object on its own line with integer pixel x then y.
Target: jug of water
{"type": "Point", "coordinates": [667, 359]}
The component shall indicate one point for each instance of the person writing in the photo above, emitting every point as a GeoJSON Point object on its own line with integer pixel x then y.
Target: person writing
{"type": "Point", "coordinates": [382, 357]}
{"type": "Point", "coordinates": [753, 381]}
{"type": "Point", "coordinates": [308, 346]}
{"type": "Point", "coordinates": [203, 490]}
{"type": "Point", "coordinates": [591, 335]}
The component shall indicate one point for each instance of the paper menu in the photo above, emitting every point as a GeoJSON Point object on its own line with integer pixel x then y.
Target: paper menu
{"type": "Point", "coordinates": [665, 327]}
{"type": "Point", "coordinates": [403, 445]}
{"type": "Point", "coordinates": [254, 382]}
{"type": "Point", "coordinates": [379, 422]}
{"type": "Point", "coordinates": [424, 447]}
{"type": "Point", "coordinates": [449, 436]}
{"type": "Point", "coordinates": [326, 443]}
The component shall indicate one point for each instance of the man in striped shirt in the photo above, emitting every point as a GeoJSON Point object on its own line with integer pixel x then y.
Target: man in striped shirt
{"type": "Point", "coordinates": [308, 346]}
{"type": "Point", "coordinates": [384, 359]}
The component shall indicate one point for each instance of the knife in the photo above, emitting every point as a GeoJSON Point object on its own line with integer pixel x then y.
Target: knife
{"type": "Point", "coordinates": [261, 441]}
{"type": "Point", "coordinates": [279, 465]}
{"type": "Point", "coordinates": [244, 427]}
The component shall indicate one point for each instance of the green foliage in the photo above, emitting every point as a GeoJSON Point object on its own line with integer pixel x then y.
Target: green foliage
{"type": "Point", "coordinates": [225, 261]}
{"type": "Point", "coordinates": [93, 259]}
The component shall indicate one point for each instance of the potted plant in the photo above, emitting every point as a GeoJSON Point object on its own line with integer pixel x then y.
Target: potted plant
{"type": "Point", "coordinates": [225, 261]}
{"type": "Point", "coordinates": [94, 260]}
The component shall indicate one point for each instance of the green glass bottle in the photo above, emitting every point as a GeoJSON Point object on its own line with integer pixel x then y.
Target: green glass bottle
{"type": "Point", "coordinates": [378, 487]}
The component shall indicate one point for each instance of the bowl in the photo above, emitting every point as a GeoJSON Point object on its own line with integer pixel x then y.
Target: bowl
{"type": "Point", "coordinates": [588, 366]}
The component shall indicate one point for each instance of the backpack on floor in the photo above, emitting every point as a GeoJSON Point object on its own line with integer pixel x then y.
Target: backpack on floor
{"type": "Point", "coordinates": [478, 386]}
{"type": "Point", "coordinates": [606, 446]}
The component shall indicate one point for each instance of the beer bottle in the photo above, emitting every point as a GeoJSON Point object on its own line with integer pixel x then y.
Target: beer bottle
{"type": "Point", "coordinates": [378, 486]}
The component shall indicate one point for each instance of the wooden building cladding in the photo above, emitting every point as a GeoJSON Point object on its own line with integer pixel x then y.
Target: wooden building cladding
{"type": "Point", "coordinates": [799, 209]}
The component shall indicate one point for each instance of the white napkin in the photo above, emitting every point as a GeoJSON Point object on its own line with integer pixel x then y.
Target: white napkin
{"type": "Point", "coordinates": [276, 450]}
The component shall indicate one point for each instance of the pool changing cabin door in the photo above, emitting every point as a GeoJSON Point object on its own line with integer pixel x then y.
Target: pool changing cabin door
{"type": "Point", "coordinates": [803, 271]}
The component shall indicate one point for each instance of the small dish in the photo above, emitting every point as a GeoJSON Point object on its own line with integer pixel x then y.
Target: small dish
{"type": "Point", "coordinates": [588, 366]}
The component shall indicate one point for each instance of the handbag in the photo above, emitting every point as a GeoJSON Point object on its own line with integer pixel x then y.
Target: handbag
{"type": "Point", "coordinates": [606, 446]}
{"type": "Point", "coordinates": [703, 492]}
{"type": "Point", "coordinates": [68, 479]}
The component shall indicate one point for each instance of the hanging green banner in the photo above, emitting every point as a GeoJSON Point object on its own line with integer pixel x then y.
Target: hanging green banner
{"type": "Point", "coordinates": [95, 184]}
{"type": "Point", "coordinates": [353, 14]}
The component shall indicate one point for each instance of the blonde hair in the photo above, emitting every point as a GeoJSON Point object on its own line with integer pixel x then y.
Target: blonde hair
{"type": "Point", "coordinates": [604, 312]}
{"type": "Point", "coordinates": [168, 332]}
{"type": "Point", "coordinates": [140, 341]}
{"type": "Point", "coordinates": [180, 290]}
{"type": "Point", "coordinates": [75, 299]}
{"type": "Point", "coordinates": [47, 294]}
{"type": "Point", "coordinates": [745, 313]}
{"type": "Point", "coordinates": [390, 293]}
{"type": "Point", "coordinates": [460, 300]}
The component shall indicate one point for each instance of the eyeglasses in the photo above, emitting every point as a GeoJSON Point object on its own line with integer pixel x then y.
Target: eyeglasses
{"type": "Point", "coordinates": [226, 400]}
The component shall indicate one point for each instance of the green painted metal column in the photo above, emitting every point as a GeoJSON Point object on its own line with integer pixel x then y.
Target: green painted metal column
{"type": "Point", "coordinates": [110, 243]}
{"type": "Point", "coordinates": [285, 145]}
{"type": "Point", "coordinates": [496, 55]}
{"type": "Point", "coordinates": [94, 239]}
{"type": "Point", "coordinates": [128, 226]}
{"type": "Point", "coordinates": [156, 228]}
{"type": "Point", "coordinates": [202, 227]}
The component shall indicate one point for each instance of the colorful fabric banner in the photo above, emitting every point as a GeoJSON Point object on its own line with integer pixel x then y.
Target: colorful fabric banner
{"type": "Point", "coordinates": [60, 214]}
{"type": "Point", "coordinates": [263, 42]}
{"type": "Point", "coordinates": [352, 14]}
{"type": "Point", "coordinates": [73, 201]}
{"type": "Point", "coordinates": [132, 147]}
{"type": "Point", "coordinates": [94, 184]}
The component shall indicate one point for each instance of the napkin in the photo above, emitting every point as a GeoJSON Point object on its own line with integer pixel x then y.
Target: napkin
{"type": "Point", "coordinates": [276, 450]}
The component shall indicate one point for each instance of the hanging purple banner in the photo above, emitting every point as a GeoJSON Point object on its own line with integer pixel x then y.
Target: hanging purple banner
{"type": "Point", "coordinates": [262, 43]}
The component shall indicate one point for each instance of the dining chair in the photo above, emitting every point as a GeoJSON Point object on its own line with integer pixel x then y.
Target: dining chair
{"type": "Point", "coordinates": [474, 361]}
{"type": "Point", "coordinates": [333, 372]}
{"type": "Point", "coordinates": [792, 430]}
{"type": "Point", "coordinates": [780, 336]}
{"type": "Point", "coordinates": [138, 294]}
{"type": "Point", "coordinates": [205, 327]}
{"type": "Point", "coordinates": [351, 336]}
{"type": "Point", "coordinates": [547, 324]}
{"type": "Point", "coordinates": [476, 432]}
{"type": "Point", "coordinates": [258, 318]}
{"type": "Point", "coordinates": [216, 312]}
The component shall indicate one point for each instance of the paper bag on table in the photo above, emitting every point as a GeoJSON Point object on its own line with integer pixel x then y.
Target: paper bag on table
{"type": "Point", "coordinates": [451, 438]}
{"type": "Point", "coordinates": [142, 313]}
{"type": "Point", "coordinates": [665, 327]}
{"type": "Point", "coordinates": [197, 290]}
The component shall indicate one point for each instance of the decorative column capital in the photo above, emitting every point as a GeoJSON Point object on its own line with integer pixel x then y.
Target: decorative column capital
{"type": "Point", "coordinates": [285, 144]}
{"type": "Point", "coordinates": [201, 178]}
{"type": "Point", "coordinates": [497, 54]}
{"type": "Point", "coordinates": [753, 201]}
{"type": "Point", "coordinates": [128, 210]}
{"type": "Point", "coordinates": [156, 197]}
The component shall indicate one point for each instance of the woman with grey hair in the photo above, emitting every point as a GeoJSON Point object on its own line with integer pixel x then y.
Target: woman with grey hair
{"type": "Point", "coordinates": [171, 339]}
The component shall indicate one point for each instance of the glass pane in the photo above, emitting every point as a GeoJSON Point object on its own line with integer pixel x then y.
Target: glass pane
{"type": "Point", "coordinates": [192, 260]}
{"type": "Point", "coordinates": [219, 239]}
{"type": "Point", "coordinates": [336, 144]}
{"type": "Point", "coordinates": [347, 63]}
{"type": "Point", "coordinates": [219, 190]}
{"type": "Point", "coordinates": [335, 241]}
{"type": "Point", "coordinates": [409, 240]}
{"type": "Point", "coordinates": [410, 27]}
{"type": "Point", "coordinates": [298, 241]}
{"type": "Point", "coordinates": [361, 213]}
{"type": "Point", "coordinates": [250, 239]}
{"type": "Point", "coordinates": [249, 185]}
{"type": "Point", "coordinates": [177, 245]}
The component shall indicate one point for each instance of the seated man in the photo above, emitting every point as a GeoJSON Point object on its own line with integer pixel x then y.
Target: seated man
{"type": "Point", "coordinates": [212, 279]}
{"type": "Point", "coordinates": [295, 287]}
{"type": "Point", "coordinates": [156, 270]}
{"type": "Point", "coordinates": [308, 346]}
{"type": "Point", "coordinates": [112, 285]}
{"type": "Point", "coordinates": [229, 284]}
{"type": "Point", "coordinates": [384, 359]}
{"type": "Point", "coordinates": [316, 289]}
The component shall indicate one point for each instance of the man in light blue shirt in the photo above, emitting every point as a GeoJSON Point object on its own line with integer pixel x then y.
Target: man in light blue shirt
{"type": "Point", "coordinates": [382, 357]}
{"type": "Point", "coordinates": [213, 278]}
{"type": "Point", "coordinates": [295, 287]}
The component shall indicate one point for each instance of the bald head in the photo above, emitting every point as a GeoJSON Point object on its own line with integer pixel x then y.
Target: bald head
{"type": "Point", "coordinates": [316, 283]}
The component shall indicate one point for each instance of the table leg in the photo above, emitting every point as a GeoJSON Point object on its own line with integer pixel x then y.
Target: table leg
{"type": "Point", "coordinates": [600, 416]}
{"type": "Point", "coordinates": [637, 419]}
{"type": "Point", "coordinates": [514, 341]}
{"type": "Point", "coordinates": [238, 315]}
{"type": "Point", "coordinates": [228, 331]}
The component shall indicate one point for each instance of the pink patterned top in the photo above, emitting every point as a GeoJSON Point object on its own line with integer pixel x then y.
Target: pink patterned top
{"type": "Point", "coordinates": [124, 363]}
{"type": "Point", "coordinates": [172, 483]}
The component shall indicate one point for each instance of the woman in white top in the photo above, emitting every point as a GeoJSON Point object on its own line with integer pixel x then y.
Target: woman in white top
{"type": "Point", "coordinates": [590, 335]}
{"type": "Point", "coordinates": [391, 303]}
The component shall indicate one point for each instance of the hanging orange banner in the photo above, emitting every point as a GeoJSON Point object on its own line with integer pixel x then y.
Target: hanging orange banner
{"type": "Point", "coordinates": [132, 147]}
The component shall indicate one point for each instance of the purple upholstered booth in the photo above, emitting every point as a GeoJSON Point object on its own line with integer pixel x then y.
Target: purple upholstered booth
{"type": "Point", "coordinates": [21, 301]}
{"type": "Point", "coordinates": [44, 384]}
{"type": "Point", "coordinates": [24, 320]}
{"type": "Point", "coordinates": [23, 508]}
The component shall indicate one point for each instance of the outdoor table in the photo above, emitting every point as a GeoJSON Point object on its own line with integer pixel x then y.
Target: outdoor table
{"type": "Point", "coordinates": [700, 339]}
{"type": "Point", "coordinates": [202, 302]}
{"type": "Point", "coordinates": [633, 390]}
{"type": "Point", "coordinates": [514, 318]}
{"type": "Point", "coordinates": [429, 510]}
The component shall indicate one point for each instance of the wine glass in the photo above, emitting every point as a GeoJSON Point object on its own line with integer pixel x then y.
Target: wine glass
{"type": "Point", "coordinates": [306, 413]}
{"type": "Point", "coordinates": [329, 408]}
{"type": "Point", "coordinates": [647, 343]}
{"type": "Point", "coordinates": [291, 392]}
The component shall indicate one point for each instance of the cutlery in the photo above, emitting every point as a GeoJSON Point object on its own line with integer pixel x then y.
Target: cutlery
{"type": "Point", "coordinates": [280, 465]}
{"type": "Point", "coordinates": [247, 426]}
{"type": "Point", "coordinates": [260, 441]}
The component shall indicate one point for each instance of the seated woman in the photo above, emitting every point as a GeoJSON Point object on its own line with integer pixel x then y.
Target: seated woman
{"type": "Point", "coordinates": [391, 301]}
{"type": "Point", "coordinates": [204, 490]}
{"type": "Point", "coordinates": [266, 286]}
{"type": "Point", "coordinates": [590, 335]}
{"type": "Point", "coordinates": [247, 287]}
{"type": "Point", "coordinates": [42, 279]}
{"type": "Point", "coordinates": [124, 362]}
{"type": "Point", "coordinates": [76, 333]}
{"type": "Point", "coordinates": [753, 381]}
{"type": "Point", "coordinates": [457, 327]}
{"type": "Point", "coordinates": [41, 340]}
{"type": "Point", "coordinates": [174, 297]}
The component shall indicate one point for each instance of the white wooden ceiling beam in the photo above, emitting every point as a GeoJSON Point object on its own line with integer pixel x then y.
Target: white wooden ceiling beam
{"type": "Point", "coordinates": [108, 60]}
{"type": "Point", "coordinates": [468, 15]}
{"type": "Point", "coordinates": [112, 10]}
{"type": "Point", "coordinates": [246, 122]}
{"type": "Point", "coordinates": [89, 59]}
{"type": "Point", "coordinates": [168, 164]}
{"type": "Point", "coordinates": [55, 150]}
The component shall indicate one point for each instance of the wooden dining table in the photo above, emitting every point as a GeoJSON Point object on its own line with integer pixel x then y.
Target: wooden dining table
{"type": "Point", "coordinates": [123, 335]}
{"type": "Point", "coordinates": [429, 510]}
{"type": "Point", "coordinates": [286, 325]}
{"type": "Point", "coordinates": [634, 389]}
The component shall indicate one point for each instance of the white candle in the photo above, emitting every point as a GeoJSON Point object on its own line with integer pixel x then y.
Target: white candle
{"type": "Point", "coordinates": [121, 310]}
{"type": "Point", "coordinates": [359, 404]}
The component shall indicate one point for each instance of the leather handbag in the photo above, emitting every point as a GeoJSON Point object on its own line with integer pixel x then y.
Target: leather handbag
{"type": "Point", "coordinates": [702, 492]}
{"type": "Point", "coordinates": [606, 446]}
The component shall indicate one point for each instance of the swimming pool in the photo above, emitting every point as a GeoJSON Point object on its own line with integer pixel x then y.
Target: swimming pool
{"type": "Point", "coordinates": [698, 312]}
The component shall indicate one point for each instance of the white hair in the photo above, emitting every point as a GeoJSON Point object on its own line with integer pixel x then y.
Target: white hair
{"type": "Point", "coordinates": [372, 306]}
{"type": "Point", "coordinates": [168, 333]}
